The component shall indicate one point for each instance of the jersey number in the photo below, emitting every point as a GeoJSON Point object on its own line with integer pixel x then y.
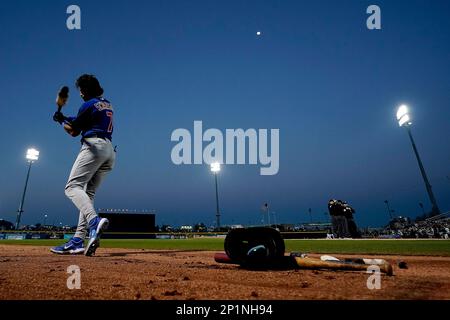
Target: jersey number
{"type": "Point", "coordinates": [109, 114]}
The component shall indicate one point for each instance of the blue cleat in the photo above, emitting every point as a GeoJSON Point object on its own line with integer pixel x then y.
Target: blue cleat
{"type": "Point", "coordinates": [73, 246]}
{"type": "Point", "coordinates": [96, 228]}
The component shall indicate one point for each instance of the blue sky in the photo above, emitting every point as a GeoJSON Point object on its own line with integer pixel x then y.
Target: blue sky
{"type": "Point", "coordinates": [317, 73]}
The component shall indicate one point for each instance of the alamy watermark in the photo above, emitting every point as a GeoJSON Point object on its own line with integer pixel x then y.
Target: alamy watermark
{"type": "Point", "coordinates": [374, 20]}
{"type": "Point", "coordinates": [234, 146]}
{"type": "Point", "coordinates": [73, 21]}
{"type": "Point", "coordinates": [74, 280]}
{"type": "Point", "coordinates": [374, 280]}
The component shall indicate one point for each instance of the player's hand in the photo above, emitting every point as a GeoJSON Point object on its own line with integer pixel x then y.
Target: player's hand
{"type": "Point", "coordinates": [58, 117]}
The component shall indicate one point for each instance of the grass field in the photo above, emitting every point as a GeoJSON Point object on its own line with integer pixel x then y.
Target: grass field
{"type": "Point", "coordinates": [397, 247]}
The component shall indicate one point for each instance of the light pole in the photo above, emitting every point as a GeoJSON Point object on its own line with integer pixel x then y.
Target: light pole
{"type": "Point", "coordinates": [266, 205]}
{"type": "Point", "coordinates": [45, 219]}
{"type": "Point", "coordinates": [388, 208]}
{"type": "Point", "coordinates": [274, 218]}
{"type": "Point", "coordinates": [310, 215]}
{"type": "Point", "coordinates": [32, 155]}
{"type": "Point", "coordinates": [404, 120]}
{"type": "Point", "coordinates": [215, 168]}
{"type": "Point", "coordinates": [423, 210]}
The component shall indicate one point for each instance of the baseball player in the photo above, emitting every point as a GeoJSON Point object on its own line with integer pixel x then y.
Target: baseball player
{"type": "Point", "coordinates": [96, 158]}
{"type": "Point", "coordinates": [339, 222]}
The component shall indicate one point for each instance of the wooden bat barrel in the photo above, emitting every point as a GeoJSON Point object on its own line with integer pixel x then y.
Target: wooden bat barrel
{"type": "Point", "coordinates": [313, 263]}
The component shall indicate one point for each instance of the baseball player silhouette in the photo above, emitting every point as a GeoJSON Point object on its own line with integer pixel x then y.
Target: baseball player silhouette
{"type": "Point", "coordinates": [96, 158]}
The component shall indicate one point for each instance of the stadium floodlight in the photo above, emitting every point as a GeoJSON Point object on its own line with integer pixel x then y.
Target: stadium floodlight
{"type": "Point", "coordinates": [404, 120]}
{"type": "Point", "coordinates": [32, 155]}
{"type": "Point", "coordinates": [215, 168]}
{"type": "Point", "coordinates": [403, 116]}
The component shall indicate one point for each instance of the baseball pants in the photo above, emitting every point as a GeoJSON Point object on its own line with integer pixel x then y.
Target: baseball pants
{"type": "Point", "coordinates": [95, 160]}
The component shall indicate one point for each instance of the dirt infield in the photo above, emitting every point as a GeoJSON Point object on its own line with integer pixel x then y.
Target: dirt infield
{"type": "Point", "coordinates": [34, 273]}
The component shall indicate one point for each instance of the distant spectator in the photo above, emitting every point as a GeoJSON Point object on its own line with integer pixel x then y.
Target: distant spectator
{"type": "Point", "coordinates": [424, 229]}
{"type": "Point", "coordinates": [338, 220]}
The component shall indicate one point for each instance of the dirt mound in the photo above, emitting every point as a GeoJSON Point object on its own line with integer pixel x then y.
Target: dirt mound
{"type": "Point", "coordinates": [34, 273]}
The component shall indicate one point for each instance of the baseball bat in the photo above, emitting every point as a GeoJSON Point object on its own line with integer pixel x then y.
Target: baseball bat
{"type": "Point", "coordinates": [354, 260]}
{"type": "Point", "coordinates": [223, 258]}
{"type": "Point", "coordinates": [62, 97]}
{"type": "Point", "coordinates": [312, 263]}
{"type": "Point", "coordinates": [366, 261]}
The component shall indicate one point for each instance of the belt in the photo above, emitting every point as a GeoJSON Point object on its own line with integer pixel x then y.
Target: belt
{"type": "Point", "coordinates": [96, 136]}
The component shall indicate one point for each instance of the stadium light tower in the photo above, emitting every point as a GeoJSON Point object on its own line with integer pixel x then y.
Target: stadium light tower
{"type": "Point", "coordinates": [389, 209]}
{"type": "Point", "coordinates": [215, 168]}
{"type": "Point", "coordinates": [32, 155]}
{"type": "Point", "coordinates": [404, 120]}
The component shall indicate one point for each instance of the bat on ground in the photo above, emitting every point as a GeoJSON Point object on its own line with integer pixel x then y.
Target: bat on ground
{"type": "Point", "coordinates": [313, 263]}
{"type": "Point", "coordinates": [302, 262]}
{"type": "Point", "coordinates": [354, 260]}
{"type": "Point", "coordinates": [223, 258]}
{"type": "Point", "coordinates": [366, 261]}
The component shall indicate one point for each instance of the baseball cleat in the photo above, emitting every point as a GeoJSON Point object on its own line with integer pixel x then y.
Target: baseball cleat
{"type": "Point", "coordinates": [96, 228]}
{"type": "Point", "coordinates": [73, 246]}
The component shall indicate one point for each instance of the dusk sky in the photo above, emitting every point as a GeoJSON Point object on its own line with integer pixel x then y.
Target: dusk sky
{"type": "Point", "coordinates": [316, 73]}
